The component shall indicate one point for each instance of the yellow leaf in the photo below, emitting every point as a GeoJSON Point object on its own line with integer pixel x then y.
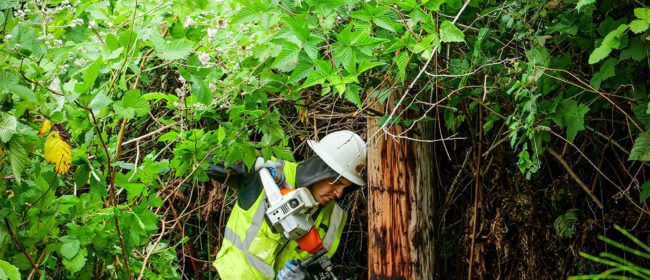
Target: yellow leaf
{"type": "Point", "coordinates": [59, 152]}
{"type": "Point", "coordinates": [45, 128]}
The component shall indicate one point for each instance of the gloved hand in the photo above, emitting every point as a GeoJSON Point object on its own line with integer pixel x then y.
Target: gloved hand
{"type": "Point", "coordinates": [275, 168]}
{"type": "Point", "coordinates": [291, 271]}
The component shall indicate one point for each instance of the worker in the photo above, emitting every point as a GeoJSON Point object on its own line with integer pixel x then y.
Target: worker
{"type": "Point", "coordinates": [251, 249]}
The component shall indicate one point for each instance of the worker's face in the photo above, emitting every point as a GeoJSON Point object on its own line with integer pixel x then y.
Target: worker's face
{"type": "Point", "coordinates": [327, 190]}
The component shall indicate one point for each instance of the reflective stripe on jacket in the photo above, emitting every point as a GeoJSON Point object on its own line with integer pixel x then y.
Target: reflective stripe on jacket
{"type": "Point", "coordinates": [250, 248]}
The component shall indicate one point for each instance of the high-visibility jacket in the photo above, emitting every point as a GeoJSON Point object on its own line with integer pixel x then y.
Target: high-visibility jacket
{"type": "Point", "coordinates": [250, 248]}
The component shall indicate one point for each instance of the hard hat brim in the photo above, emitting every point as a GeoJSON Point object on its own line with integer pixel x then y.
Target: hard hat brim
{"type": "Point", "coordinates": [356, 179]}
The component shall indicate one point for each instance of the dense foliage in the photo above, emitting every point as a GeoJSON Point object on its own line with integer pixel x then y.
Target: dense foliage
{"type": "Point", "coordinates": [112, 109]}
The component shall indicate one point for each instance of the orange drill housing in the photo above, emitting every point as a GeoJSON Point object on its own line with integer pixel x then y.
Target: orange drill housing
{"type": "Point", "coordinates": [310, 242]}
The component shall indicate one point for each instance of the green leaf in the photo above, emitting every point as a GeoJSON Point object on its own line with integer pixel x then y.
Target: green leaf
{"type": "Point", "coordinates": [157, 96]}
{"type": "Point", "coordinates": [8, 124]}
{"type": "Point", "coordinates": [17, 157]}
{"type": "Point", "coordinates": [7, 270]}
{"type": "Point", "coordinates": [345, 36]}
{"type": "Point", "coordinates": [6, 4]}
{"type": "Point", "coordinates": [221, 134]}
{"type": "Point", "coordinates": [27, 37]}
{"type": "Point", "coordinates": [287, 58]}
{"type": "Point", "coordinates": [402, 61]}
{"type": "Point", "coordinates": [434, 5]}
{"type": "Point", "coordinates": [89, 76]}
{"type": "Point", "coordinates": [384, 22]}
{"type": "Point", "coordinates": [645, 192]}
{"type": "Point", "coordinates": [352, 94]}
{"type": "Point", "coordinates": [147, 220]}
{"type": "Point", "coordinates": [133, 190]}
{"type": "Point", "coordinates": [247, 154]}
{"type": "Point", "coordinates": [169, 136]}
{"type": "Point", "coordinates": [70, 248]}
{"type": "Point", "coordinates": [583, 3]}
{"type": "Point", "coordinates": [366, 65]}
{"type": "Point", "coordinates": [345, 56]}
{"type": "Point", "coordinates": [607, 70]}
{"type": "Point", "coordinates": [131, 105]}
{"type": "Point", "coordinates": [25, 93]}
{"type": "Point", "coordinates": [642, 13]}
{"type": "Point", "coordinates": [571, 115]}
{"type": "Point", "coordinates": [425, 47]}
{"type": "Point", "coordinates": [283, 153]}
{"type": "Point", "coordinates": [75, 264]}
{"type": "Point", "coordinates": [298, 26]}
{"type": "Point", "coordinates": [361, 38]}
{"type": "Point", "coordinates": [565, 225]}
{"type": "Point", "coordinates": [450, 33]}
{"type": "Point", "coordinates": [100, 102]}
{"type": "Point", "coordinates": [201, 91]}
{"type": "Point", "coordinates": [173, 49]}
{"type": "Point", "coordinates": [599, 54]}
{"type": "Point", "coordinates": [637, 26]}
{"type": "Point", "coordinates": [641, 149]}
{"type": "Point", "coordinates": [302, 69]}
{"type": "Point", "coordinates": [539, 56]}
{"type": "Point", "coordinates": [636, 50]}
{"type": "Point", "coordinates": [314, 78]}
{"type": "Point", "coordinates": [613, 38]}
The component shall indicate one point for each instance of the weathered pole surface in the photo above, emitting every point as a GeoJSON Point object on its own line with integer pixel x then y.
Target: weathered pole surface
{"type": "Point", "coordinates": [401, 203]}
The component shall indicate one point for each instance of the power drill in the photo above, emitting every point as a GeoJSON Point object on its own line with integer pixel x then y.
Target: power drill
{"type": "Point", "coordinates": [290, 212]}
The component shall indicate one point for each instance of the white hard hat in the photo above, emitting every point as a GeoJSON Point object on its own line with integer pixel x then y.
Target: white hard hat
{"type": "Point", "coordinates": [345, 152]}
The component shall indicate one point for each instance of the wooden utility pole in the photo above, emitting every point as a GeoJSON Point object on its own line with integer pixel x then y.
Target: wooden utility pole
{"type": "Point", "coordinates": [401, 203]}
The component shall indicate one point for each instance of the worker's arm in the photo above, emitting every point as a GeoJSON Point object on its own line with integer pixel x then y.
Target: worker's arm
{"type": "Point", "coordinates": [233, 175]}
{"type": "Point", "coordinates": [244, 180]}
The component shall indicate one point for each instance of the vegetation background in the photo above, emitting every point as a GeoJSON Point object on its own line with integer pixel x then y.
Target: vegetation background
{"type": "Point", "coordinates": [111, 108]}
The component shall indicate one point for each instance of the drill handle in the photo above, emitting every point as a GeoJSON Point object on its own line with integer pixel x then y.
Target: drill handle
{"type": "Point", "coordinates": [270, 187]}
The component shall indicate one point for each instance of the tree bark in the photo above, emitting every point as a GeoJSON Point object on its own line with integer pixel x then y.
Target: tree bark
{"type": "Point", "coordinates": [401, 204]}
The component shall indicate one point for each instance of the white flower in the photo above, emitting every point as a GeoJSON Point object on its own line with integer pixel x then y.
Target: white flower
{"type": "Point", "coordinates": [204, 58]}
{"type": "Point", "coordinates": [212, 86]}
{"type": "Point", "coordinates": [77, 21]}
{"type": "Point", "coordinates": [212, 32]}
{"type": "Point", "coordinates": [188, 21]}
{"type": "Point", "coordinates": [8, 37]}
{"type": "Point", "coordinates": [181, 79]}
{"type": "Point", "coordinates": [91, 24]}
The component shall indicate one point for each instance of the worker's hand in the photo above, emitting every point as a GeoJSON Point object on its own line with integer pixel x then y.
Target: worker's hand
{"type": "Point", "coordinates": [274, 167]}
{"type": "Point", "coordinates": [291, 271]}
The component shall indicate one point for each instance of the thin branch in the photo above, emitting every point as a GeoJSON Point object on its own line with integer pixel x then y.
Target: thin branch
{"type": "Point", "coordinates": [477, 191]}
{"type": "Point", "coordinates": [22, 249]}
{"type": "Point", "coordinates": [150, 133]}
{"type": "Point", "coordinates": [575, 177]}
{"type": "Point", "coordinates": [120, 138]}
{"type": "Point", "coordinates": [153, 248]}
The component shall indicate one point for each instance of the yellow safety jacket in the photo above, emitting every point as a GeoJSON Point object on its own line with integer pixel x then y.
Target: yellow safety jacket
{"type": "Point", "coordinates": [250, 248]}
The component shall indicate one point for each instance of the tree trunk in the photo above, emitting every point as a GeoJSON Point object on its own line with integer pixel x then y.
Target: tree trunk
{"type": "Point", "coordinates": [401, 203]}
